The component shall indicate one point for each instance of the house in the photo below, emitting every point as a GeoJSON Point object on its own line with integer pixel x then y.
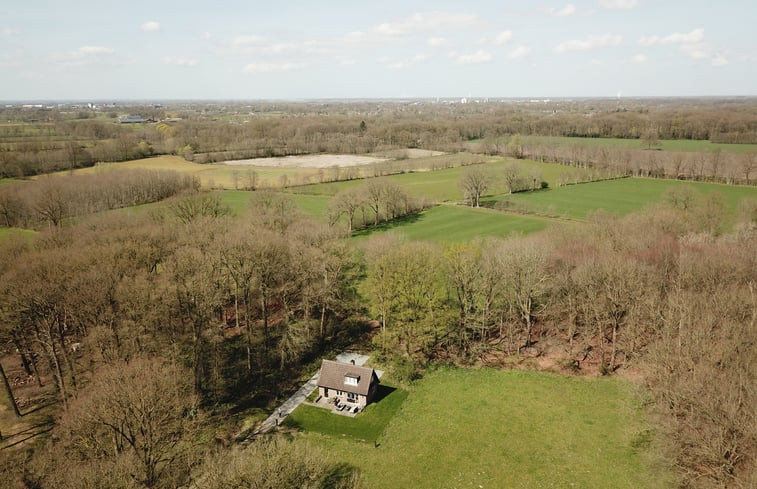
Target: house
{"type": "Point", "coordinates": [347, 383]}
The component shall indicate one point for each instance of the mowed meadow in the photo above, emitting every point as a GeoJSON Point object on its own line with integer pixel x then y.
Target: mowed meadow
{"type": "Point", "coordinates": [491, 429]}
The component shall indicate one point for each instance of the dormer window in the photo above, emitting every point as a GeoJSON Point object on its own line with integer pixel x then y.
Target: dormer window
{"type": "Point", "coordinates": [350, 379]}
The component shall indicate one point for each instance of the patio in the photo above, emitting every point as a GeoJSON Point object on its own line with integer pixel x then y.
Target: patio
{"type": "Point", "coordinates": [343, 409]}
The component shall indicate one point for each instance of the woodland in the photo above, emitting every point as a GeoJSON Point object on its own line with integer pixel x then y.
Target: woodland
{"type": "Point", "coordinates": [143, 342]}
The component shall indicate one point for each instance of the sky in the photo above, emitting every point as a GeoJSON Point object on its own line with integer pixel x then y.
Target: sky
{"type": "Point", "coordinates": [225, 49]}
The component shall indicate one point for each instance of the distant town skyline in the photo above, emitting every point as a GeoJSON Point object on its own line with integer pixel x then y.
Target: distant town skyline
{"type": "Point", "coordinates": [236, 50]}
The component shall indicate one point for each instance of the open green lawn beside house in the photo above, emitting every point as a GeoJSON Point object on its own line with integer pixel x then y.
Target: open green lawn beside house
{"type": "Point", "coordinates": [506, 429]}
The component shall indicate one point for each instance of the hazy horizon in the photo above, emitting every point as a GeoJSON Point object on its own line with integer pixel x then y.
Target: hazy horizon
{"type": "Point", "coordinates": [299, 50]}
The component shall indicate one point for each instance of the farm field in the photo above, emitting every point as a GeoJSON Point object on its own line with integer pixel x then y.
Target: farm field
{"type": "Point", "coordinates": [210, 175]}
{"type": "Point", "coordinates": [450, 224]}
{"type": "Point", "coordinates": [621, 196]}
{"type": "Point", "coordinates": [665, 144]}
{"type": "Point", "coordinates": [487, 428]}
{"type": "Point", "coordinates": [314, 205]}
{"type": "Point", "coordinates": [442, 185]}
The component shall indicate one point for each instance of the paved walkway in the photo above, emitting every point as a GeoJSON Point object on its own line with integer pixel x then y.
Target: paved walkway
{"type": "Point", "coordinates": [302, 393]}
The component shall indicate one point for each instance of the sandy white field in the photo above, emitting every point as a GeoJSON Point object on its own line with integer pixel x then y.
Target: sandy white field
{"type": "Point", "coordinates": [309, 161]}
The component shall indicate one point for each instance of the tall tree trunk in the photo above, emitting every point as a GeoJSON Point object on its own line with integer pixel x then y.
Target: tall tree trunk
{"type": "Point", "coordinates": [22, 354]}
{"type": "Point", "coordinates": [248, 331]}
{"type": "Point", "coordinates": [64, 352]}
{"type": "Point", "coordinates": [9, 392]}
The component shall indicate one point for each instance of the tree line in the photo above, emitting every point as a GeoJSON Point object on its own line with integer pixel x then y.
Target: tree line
{"type": "Point", "coordinates": [664, 292]}
{"type": "Point", "coordinates": [217, 133]}
{"type": "Point", "coordinates": [52, 200]}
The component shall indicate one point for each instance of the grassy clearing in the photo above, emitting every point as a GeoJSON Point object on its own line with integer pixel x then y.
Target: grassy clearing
{"type": "Point", "coordinates": [621, 196]}
{"type": "Point", "coordinates": [492, 429]}
{"type": "Point", "coordinates": [6, 233]}
{"type": "Point", "coordinates": [442, 185]}
{"type": "Point", "coordinates": [8, 181]}
{"type": "Point", "coordinates": [366, 426]}
{"type": "Point", "coordinates": [665, 144]}
{"type": "Point", "coordinates": [449, 224]}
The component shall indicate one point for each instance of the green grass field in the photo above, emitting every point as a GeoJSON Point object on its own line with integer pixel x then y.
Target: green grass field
{"type": "Point", "coordinates": [666, 144]}
{"type": "Point", "coordinates": [442, 185]}
{"type": "Point", "coordinates": [621, 196]}
{"type": "Point", "coordinates": [313, 205]}
{"type": "Point", "coordinates": [495, 429]}
{"type": "Point", "coordinates": [366, 426]}
{"type": "Point", "coordinates": [23, 233]}
{"type": "Point", "coordinates": [449, 224]}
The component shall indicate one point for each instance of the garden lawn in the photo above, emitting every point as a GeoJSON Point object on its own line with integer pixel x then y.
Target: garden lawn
{"type": "Point", "coordinates": [366, 426]}
{"type": "Point", "coordinates": [494, 429]}
{"type": "Point", "coordinates": [621, 196]}
{"type": "Point", "coordinates": [449, 224]}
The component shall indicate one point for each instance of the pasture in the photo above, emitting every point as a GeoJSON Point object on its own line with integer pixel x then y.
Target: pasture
{"type": "Point", "coordinates": [664, 144]}
{"type": "Point", "coordinates": [621, 196]}
{"type": "Point", "coordinates": [442, 185]}
{"type": "Point", "coordinates": [490, 429]}
{"type": "Point", "coordinates": [450, 224]}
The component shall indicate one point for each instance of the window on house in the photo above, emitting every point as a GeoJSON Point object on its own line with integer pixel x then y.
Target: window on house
{"type": "Point", "coordinates": [350, 379]}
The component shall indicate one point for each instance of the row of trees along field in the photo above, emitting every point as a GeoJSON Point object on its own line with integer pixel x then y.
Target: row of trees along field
{"type": "Point", "coordinates": [54, 141]}
{"type": "Point", "coordinates": [243, 304]}
{"type": "Point", "coordinates": [52, 200]}
{"type": "Point", "coordinates": [374, 202]}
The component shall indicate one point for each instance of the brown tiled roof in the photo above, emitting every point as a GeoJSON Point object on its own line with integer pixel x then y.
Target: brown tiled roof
{"type": "Point", "coordinates": [333, 373]}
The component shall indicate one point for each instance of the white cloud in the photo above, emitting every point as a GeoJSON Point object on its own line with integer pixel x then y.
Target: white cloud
{"type": "Point", "coordinates": [567, 10]}
{"type": "Point", "coordinates": [436, 42]}
{"type": "Point", "coordinates": [205, 35]}
{"type": "Point", "coordinates": [638, 58]}
{"type": "Point", "coordinates": [407, 63]}
{"type": "Point", "coordinates": [151, 26]}
{"type": "Point", "coordinates": [695, 36]}
{"type": "Point", "coordinates": [702, 51]}
{"type": "Point", "coordinates": [7, 31]}
{"type": "Point", "coordinates": [518, 52]}
{"type": "Point", "coordinates": [503, 37]}
{"type": "Point", "coordinates": [95, 50]}
{"type": "Point", "coordinates": [619, 4]}
{"type": "Point", "coordinates": [425, 21]}
{"type": "Point", "coordinates": [690, 43]}
{"type": "Point", "coordinates": [169, 60]}
{"type": "Point", "coordinates": [480, 56]}
{"type": "Point", "coordinates": [590, 42]}
{"type": "Point", "coordinates": [273, 67]}
{"type": "Point", "coordinates": [248, 41]}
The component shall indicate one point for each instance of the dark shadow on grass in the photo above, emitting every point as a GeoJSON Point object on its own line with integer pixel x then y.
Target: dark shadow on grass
{"type": "Point", "coordinates": [28, 437]}
{"type": "Point", "coordinates": [387, 225]}
{"type": "Point", "coordinates": [41, 406]}
{"type": "Point", "coordinates": [338, 476]}
{"type": "Point", "coordinates": [382, 391]}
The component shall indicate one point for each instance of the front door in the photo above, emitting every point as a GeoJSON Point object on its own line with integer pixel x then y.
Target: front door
{"type": "Point", "coordinates": [325, 392]}
{"type": "Point", "coordinates": [351, 397]}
